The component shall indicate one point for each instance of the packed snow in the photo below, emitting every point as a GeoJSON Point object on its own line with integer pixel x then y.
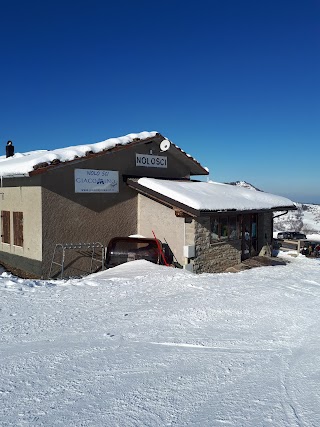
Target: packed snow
{"type": "Point", "coordinates": [147, 345]}
{"type": "Point", "coordinates": [214, 196]}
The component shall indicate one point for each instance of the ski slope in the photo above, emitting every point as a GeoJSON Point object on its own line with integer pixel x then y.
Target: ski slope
{"type": "Point", "coordinates": [147, 345]}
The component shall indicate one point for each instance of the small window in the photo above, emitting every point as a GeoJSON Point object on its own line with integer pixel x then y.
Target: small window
{"type": "Point", "coordinates": [18, 228]}
{"type": "Point", "coordinates": [5, 226]}
{"type": "Point", "coordinates": [214, 229]}
{"type": "Point", "coordinates": [224, 228]}
{"type": "Point", "coordinates": [233, 228]}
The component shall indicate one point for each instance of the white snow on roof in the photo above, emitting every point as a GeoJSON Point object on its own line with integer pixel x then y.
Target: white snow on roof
{"type": "Point", "coordinates": [214, 196]}
{"type": "Point", "coordinates": [23, 163]}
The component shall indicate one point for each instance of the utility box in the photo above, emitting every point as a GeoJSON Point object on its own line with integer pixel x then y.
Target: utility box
{"type": "Point", "coordinates": [189, 251]}
{"type": "Point", "coordinates": [188, 267]}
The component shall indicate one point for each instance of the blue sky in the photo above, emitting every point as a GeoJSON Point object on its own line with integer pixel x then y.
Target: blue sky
{"type": "Point", "coordinates": [233, 83]}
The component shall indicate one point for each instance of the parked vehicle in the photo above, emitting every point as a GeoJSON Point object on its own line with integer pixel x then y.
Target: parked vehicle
{"type": "Point", "coordinates": [125, 249]}
{"type": "Point", "coordinates": [291, 235]}
{"type": "Point", "coordinates": [298, 236]}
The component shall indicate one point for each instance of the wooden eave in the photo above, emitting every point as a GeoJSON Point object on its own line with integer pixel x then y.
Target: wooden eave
{"type": "Point", "coordinates": [247, 211]}
{"type": "Point", "coordinates": [196, 168]}
{"type": "Point", "coordinates": [199, 170]}
{"type": "Point", "coordinates": [160, 198]}
{"type": "Point", "coordinates": [57, 164]}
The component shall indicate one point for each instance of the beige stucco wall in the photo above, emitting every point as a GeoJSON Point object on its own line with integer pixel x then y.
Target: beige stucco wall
{"type": "Point", "coordinates": [83, 219]}
{"type": "Point", "coordinates": [166, 226]}
{"type": "Point", "coordinates": [28, 201]}
{"type": "Point", "coordinates": [70, 217]}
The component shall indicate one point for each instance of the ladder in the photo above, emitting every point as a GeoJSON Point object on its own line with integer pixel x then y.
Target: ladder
{"type": "Point", "coordinates": [60, 253]}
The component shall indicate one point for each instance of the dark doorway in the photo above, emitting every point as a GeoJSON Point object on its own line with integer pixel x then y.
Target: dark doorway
{"type": "Point", "coordinates": [249, 236]}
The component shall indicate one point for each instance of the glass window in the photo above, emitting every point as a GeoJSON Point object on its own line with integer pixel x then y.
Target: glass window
{"type": "Point", "coordinates": [214, 229]}
{"type": "Point", "coordinates": [233, 228]}
{"type": "Point", "coordinates": [224, 228]}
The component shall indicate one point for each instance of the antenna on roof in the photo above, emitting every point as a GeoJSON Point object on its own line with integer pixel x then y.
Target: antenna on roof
{"type": "Point", "coordinates": [165, 145]}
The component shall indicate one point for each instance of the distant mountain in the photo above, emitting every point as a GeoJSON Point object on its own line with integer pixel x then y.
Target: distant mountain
{"type": "Point", "coordinates": [243, 184]}
{"type": "Point", "coordinates": [305, 219]}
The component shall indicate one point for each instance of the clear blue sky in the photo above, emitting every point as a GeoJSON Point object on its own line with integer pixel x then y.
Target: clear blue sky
{"type": "Point", "coordinates": [234, 83]}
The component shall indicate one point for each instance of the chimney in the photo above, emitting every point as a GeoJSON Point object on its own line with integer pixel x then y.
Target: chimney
{"type": "Point", "coordinates": [9, 149]}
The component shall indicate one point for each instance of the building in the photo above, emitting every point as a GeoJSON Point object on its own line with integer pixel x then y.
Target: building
{"type": "Point", "coordinates": [136, 184]}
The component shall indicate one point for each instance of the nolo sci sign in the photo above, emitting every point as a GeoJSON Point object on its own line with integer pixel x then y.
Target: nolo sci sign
{"type": "Point", "coordinates": [96, 181]}
{"type": "Point", "coordinates": [150, 161]}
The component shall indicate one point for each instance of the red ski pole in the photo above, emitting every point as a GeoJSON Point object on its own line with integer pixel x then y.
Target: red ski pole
{"type": "Point", "coordinates": [160, 250]}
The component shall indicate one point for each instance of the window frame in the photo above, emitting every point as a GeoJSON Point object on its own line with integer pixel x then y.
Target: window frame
{"type": "Point", "coordinates": [5, 227]}
{"type": "Point", "coordinates": [17, 228]}
{"type": "Point", "coordinates": [223, 223]}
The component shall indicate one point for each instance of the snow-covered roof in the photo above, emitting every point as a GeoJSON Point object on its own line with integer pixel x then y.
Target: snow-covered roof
{"type": "Point", "coordinates": [214, 196]}
{"type": "Point", "coordinates": [22, 164]}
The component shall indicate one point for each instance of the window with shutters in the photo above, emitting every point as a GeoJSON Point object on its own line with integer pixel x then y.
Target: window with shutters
{"type": "Point", "coordinates": [5, 226]}
{"type": "Point", "coordinates": [18, 228]}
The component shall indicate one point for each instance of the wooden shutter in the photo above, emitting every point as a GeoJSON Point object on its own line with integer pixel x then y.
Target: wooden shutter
{"type": "Point", "coordinates": [5, 230]}
{"type": "Point", "coordinates": [18, 228]}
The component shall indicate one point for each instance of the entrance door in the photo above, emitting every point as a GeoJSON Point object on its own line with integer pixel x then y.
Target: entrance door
{"type": "Point", "coordinates": [249, 236]}
{"type": "Point", "coordinates": [246, 237]}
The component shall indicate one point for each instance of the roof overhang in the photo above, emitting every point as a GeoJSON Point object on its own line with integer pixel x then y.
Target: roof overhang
{"type": "Point", "coordinates": [44, 167]}
{"type": "Point", "coordinates": [194, 166]}
{"type": "Point", "coordinates": [185, 210]}
{"type": "Point", "coordinates": [177, 206]}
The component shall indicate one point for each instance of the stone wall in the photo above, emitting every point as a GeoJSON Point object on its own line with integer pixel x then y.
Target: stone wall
{"type": "Point", "coordinates": [264, 229]}
{"type": "Point", "coordinates": [213, 257]}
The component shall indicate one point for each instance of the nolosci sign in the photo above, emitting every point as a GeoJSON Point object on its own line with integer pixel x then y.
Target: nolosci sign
{"type": "Point", "coordinates": [150, 161]}
{"type": "Point", "coordinates": [96, 181]}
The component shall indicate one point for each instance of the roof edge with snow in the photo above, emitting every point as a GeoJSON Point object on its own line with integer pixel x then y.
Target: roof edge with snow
{"type": "Point", "coordinates": [197, 202]}
{"type": "Point", "coordinates": [37, 162]}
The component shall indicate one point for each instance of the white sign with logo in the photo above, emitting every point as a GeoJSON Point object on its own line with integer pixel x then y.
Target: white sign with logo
{"type": "Point", "coordinates": [150, 161]}
{"type": "Point", "coordinates": [96, 181]}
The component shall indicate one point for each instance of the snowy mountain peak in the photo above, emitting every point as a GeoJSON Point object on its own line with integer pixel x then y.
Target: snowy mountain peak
{"type": "Point", "coordinates": [244, 184]}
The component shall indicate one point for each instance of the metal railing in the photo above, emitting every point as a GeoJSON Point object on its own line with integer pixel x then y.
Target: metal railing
{"type": "Point", "coordinates": [291, 245]}
{"type": "Point", "coordinates": [60, 252]}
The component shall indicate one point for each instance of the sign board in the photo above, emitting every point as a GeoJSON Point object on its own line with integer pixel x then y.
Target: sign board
{"type": "Point", "coordinates": [96, 181]}
{"type": "Point", "coordinates": [150, 161]}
